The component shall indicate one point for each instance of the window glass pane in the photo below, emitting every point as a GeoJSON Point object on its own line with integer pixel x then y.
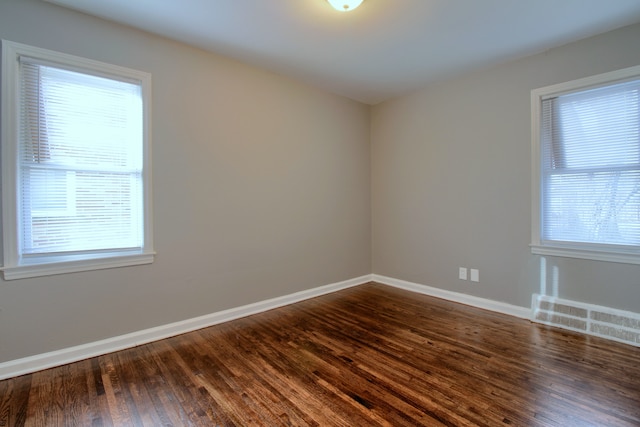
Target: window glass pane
{"type": "Point", "coordinates": [85, 120]}
{"type": "Point", "coordinates": [81, 162]}
{"type": "Point", "coordinates": [599, 127]}
{"type": "Point", "coordinates": [599, 207]}
{"type": "Point", "coordinates": [590, 147]}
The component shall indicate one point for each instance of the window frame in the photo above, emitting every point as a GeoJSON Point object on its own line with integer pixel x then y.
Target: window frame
{"type": "Point", "coordinates": [589, 251]}
{"type": "Point", "coordinates": [16, 266]}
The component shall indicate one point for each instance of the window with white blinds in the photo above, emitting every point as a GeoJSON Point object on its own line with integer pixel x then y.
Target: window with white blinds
{"type": "Point", "coordinates": [588, 175]}
{"type": "Point", "coordinates": [80, 163]}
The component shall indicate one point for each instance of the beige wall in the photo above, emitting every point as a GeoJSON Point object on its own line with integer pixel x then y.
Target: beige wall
{"type": "Point", "coordinates": [261, 189]}
{"type": "Point", "coordinates": [451, 182]}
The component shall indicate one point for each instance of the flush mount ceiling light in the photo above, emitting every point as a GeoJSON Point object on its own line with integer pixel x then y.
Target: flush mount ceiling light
{"type": "Point", "coordinates": [344, 5]}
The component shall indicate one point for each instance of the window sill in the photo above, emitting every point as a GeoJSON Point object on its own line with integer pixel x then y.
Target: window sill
{"type": "Point", "coordinates": [72, 265]}
{"type": "Point", "coordinates": [568, 251]}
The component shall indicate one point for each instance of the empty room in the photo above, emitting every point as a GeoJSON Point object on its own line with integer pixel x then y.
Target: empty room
{"type": "Point", "coordinates": [320, 213]}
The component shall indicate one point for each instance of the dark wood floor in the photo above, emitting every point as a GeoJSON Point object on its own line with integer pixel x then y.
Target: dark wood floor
{"type": "Point", "coordinates": [366, 356]}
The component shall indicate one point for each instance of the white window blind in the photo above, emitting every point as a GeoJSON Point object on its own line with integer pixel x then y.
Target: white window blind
{"type": "Point", "coordinates": [80, 162]}
{"type": "Point", "coordinates": [590, 166]}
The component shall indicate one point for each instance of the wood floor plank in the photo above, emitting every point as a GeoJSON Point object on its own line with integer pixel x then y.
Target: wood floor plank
{"type": "Point", "coordinates": [366, 356]}
{"type": "Point", "coordinates": [14, 397]}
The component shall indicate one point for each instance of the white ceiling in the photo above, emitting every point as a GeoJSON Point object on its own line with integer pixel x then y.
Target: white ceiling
{"type": "Point", "coordinates": [380, 50]}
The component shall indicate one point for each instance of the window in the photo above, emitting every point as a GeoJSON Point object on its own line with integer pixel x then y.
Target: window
{"type": "Point", "coordinates": [586, 168]}
{"type": "Point", "coordinates": [75, 162]}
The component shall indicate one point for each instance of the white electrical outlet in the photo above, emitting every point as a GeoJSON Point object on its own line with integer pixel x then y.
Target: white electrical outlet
{"type": "Point", "coordinates": [462, 273]}
{"type": "Point", "coordinates": [475, 275]}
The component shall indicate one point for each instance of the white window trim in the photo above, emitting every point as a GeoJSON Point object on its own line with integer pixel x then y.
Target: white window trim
{"type": "Point", "coordinates": [627, 255]}
{"type": "Point", "coordinates": [15, 267]}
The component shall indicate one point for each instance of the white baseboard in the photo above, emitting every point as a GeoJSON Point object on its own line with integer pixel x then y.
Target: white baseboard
{"type": "Point", "coordinates": [26, 365]}
{"type": "Point", "coordinates": [486, 304]}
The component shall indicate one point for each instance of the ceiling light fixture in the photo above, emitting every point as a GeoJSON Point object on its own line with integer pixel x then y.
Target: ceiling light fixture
{"type": "Point", "coordinates": [344, 5]}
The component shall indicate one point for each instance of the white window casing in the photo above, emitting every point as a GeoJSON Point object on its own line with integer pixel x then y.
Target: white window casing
{"type": "Point", "coordinates": [585, 150]}
{"type": "Point", "coordinates": [76, 164]}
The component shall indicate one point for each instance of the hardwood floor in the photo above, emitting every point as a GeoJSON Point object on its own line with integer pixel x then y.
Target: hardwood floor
{"type": "Point", "coordinates": [366, 356]}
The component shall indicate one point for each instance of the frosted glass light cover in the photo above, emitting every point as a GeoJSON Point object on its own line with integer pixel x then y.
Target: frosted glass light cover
{"type": "Point", "coordinates": [345, 5]}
